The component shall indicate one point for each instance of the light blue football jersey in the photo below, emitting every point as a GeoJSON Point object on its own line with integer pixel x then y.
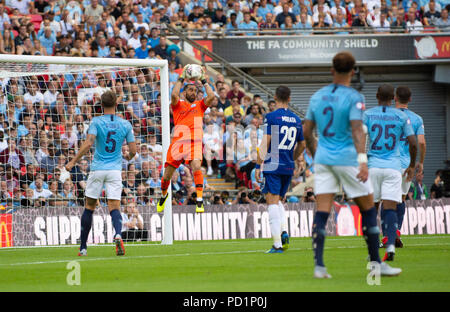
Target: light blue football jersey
{"type": "Point", "coordinates": [385, 126]}
{"type": "Point", "coordinates": [332, 108]}
{"type": "Point", "coordinates": [418, 128]}
{"type": "Point", "coordinates": [110, 132]}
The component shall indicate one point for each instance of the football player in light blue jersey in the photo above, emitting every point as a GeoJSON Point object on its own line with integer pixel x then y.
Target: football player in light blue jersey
{"type": "Point", "coordinates": [108, 132]}
{"type": "Point", "coordinates": [402, 98]}
{"type": "Point", "coordinates": [281, 145]}
{"type": "Point", "coordinates": [339, 158]}
{"type": "Point", "coordinates": [385, 126]}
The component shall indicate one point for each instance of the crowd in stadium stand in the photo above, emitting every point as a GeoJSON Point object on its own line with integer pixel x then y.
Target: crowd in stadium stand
{"type": "Point", "coordinates": [43, 123]}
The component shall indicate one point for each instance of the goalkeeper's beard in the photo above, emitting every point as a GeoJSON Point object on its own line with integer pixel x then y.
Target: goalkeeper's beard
{"type": "Point", "coordinates": [191, 98]}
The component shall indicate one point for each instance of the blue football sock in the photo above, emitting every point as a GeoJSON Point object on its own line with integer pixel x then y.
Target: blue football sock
{"type": "Point", "coordinates": [401, 208]}
{"type": "Point", "coordinates": [318, 236]}
{"type": "Point", "coordinates": [86, 223]}
{"type": "Point", "coordinates": [116, 221]}
{"type": "Point", "coordinates": [390, 226]}
{"type": "Point", "coordinates": [371, 233]}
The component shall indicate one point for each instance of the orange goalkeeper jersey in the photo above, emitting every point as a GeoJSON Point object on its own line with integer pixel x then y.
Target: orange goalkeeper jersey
{"type": "Point", "coordinates": [188, 120]}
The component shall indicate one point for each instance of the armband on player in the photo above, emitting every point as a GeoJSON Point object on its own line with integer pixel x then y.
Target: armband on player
{"type": "Point", "coordinates": [362, 158]}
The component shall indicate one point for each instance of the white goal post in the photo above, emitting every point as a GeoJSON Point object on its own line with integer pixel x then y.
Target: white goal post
{"type": "Point", "coordinates": [26, 67]}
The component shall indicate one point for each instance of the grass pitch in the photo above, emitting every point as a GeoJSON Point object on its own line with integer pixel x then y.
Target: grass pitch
{"type": "Point", "coordinates": [225, 266]}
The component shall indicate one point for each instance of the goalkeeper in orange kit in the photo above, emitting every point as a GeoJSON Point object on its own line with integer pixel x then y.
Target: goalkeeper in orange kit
{"type": "Point", "coordinates": [187, 135]}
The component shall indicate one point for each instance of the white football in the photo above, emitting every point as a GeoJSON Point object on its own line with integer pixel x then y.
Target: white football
{"type": "Point", "coordinates": [193, 71]}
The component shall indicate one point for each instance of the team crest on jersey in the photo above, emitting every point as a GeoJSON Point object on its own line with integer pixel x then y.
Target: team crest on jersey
{"type": "Point", "coordinates": [193, 105]}
{"type": "Point", "coordinates": [408, 122]}
{"type": "Point", "coordinates": [361, 106]}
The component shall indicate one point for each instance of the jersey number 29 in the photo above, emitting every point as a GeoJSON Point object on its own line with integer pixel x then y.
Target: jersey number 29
{"type": "Point", "coordinates": [288, 141]}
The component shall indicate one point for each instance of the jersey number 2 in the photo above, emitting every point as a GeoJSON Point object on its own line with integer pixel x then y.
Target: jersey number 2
{"type": "Point", "coordinates": [110, 140]}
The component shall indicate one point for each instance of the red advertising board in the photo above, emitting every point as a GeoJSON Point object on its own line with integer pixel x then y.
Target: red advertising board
{"type": "Point", "coordinates": [435, 47]}
{"type": "Point", "coordinates": [206, 44]}
{"type": "Point", "coordinates": [6, 237]}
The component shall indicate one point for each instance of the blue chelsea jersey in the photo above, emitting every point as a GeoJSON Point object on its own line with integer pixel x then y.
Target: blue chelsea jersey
{"type": "Point", "coordinates": [285, 130]}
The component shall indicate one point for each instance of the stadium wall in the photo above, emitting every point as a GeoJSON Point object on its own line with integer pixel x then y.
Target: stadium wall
{"type": "Point", "coordinates": [61, 225]}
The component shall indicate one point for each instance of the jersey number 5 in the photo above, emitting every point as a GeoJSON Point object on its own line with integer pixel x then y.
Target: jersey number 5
{"type": "Point", "coordinates": [110, 140]}
{"type": "Point", "coordinates": [290, 133]}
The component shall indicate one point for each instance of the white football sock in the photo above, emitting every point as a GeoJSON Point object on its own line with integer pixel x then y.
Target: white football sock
{"type": "Point", "coordinates": [275, 224]}
{"type": "Point", "coordinates": [284, 225]}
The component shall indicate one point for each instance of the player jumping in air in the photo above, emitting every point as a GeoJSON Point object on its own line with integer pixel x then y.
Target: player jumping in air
{"type": "Point", "coordinates": [282, 143]}
{"type": "Point", "coordinates": [187, 136]}
{"type": "Point", "coordinates": [386, 126]}
{"type": "Point", "coordinates": [402, 98]}
{"type": "Point", "coordinates": [107, 132]}
{"type": "Point", "coordinates": [340, 159]}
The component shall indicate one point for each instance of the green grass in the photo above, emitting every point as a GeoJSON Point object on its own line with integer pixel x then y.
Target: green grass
{"type": "Point", "coordinates": [224, 266]}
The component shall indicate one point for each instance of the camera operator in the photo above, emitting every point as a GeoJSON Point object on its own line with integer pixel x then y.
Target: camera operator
{"type": "Point", "coordinates": [308, 195]}
{"type": "Point", "coordinates": [257, 196]}
{"type": "Point", "coordinates": [217, 199]}
{"type": "Point", "coordinates": [437, 189]}
{"type": "Point", "coordinates": [242, 198]}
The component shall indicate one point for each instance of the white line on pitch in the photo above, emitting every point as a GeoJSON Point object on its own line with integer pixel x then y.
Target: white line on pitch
{"type": "Point", "coordinates": [188, 254]}
{"type": "Point", "coordinates": [208, 242]}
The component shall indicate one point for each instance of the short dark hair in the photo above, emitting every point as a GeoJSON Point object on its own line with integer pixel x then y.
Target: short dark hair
{"type": "Point", "coordinates": [343, 62]}
{"type": "Point", "coordinates": [385, 93]}
{"type": "Point", "coordinates": [282, 94]}
{"type": "Point", "coordinates": [108, 99]}
{"type": "Point", "coordinates": [403, 94]}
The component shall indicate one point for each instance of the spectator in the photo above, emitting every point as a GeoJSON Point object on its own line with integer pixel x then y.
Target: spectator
{"type": "Point", "coordinates": [68, 193]}
{"type": "Point", "coordinates": [418, 189]}
{"type": "Point", "coordinates": [23, 6]}
{"type": "Point", "coordinates": [142, 51]}
{"type": "Point", "coordinates": [437, 189]}
{"type": "Point", "coordinates": [133, 224]}
{"type": "Point", "coordinates": [444, 21]}
{"type": "Point", "coordinates": [7, 45]}
{"type": "Point", "coordinates": [236, 10]}
{"type": "Point", "coordinates": [304, 24]}
{"type": "Point", "coordinates": [95, 10]}
{"type": "Point", "coordinates": [413, 26]}
{"type": "Point", "coordinates": [48, 40]}
{"type": "Point", "coordinates": [242, 198]}
{"type": "Point", "coordinates": [12, 156]}
{"type": "Point", "coordinates": [248, 24]}
{"type": "Point", "coordinates": [235, 91]}
{"type": "Point", "coordinates": [232, 25]}
{"type": "Point", "coordinates": [280, 18]}
{"type": "Point", "coordinates": [431, 15]}
{"type": "Point", "coordinates": [39, 191]}
{"type": "Point", "coordinates": [161, 48]}
{"type": "Point", "coordinates": [382, 25]}
{"type": "Point", "coordinates": [49, 162]}
{"type": "Point", "coordinates": [308, 195]}
{"type": "Point", "coordinates": [137, 106]}
{"type": "Point", "coordinates": [360, 20]}
{"type": "Point", "coordinates": [233, 108]}
{"type": "Point", "coordinates": [219, 18]}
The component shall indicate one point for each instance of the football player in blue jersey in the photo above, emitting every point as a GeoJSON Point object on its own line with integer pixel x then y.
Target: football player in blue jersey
{"type": "Point", "coordinates": [402, 98]}
{"type": "Point", "coordinates": [107, 133]}
{"type": "Point", "coordinates": [282, 143]}
{"type": "Point", "coordinates": [340, 159]}
{"type": "Point", "coordinates": [385, 127]}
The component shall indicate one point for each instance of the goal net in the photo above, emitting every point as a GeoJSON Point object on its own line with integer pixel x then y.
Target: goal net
{"type": "Point", "coordinates": [46, 106]}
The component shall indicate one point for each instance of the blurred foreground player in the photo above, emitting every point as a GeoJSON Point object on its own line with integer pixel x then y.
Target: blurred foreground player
{"type": "Point", "coordinates": [385, 127]}
{"type": "Point", "coordinates": [107, 132]}
{"type": "Point", "coordinates": [282, 143]}
{"type": "Point", "coordinates": [187, 136]}
{"type": "Point", "coordinates": [340, 159]}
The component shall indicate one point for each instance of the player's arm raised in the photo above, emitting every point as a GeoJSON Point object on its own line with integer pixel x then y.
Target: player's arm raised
{"type": "Point", "coordinates": [85, 147]}
{"type": "Point", "coordinates": [209, 91]}
{"type": "Point", "coordinates": [175, 97]}
{"type": "Point", "coordinates": [359, 139]}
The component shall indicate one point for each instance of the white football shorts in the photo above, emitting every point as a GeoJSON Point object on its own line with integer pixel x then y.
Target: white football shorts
{"type": "Point", "coordinates": [406, 185]}
{"type": "Point", "coordinates": [328, 179]}
{"type": "Point", "coordinates": [386, 183]}
{"type": "Point", "coordinates": [111, 180]}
